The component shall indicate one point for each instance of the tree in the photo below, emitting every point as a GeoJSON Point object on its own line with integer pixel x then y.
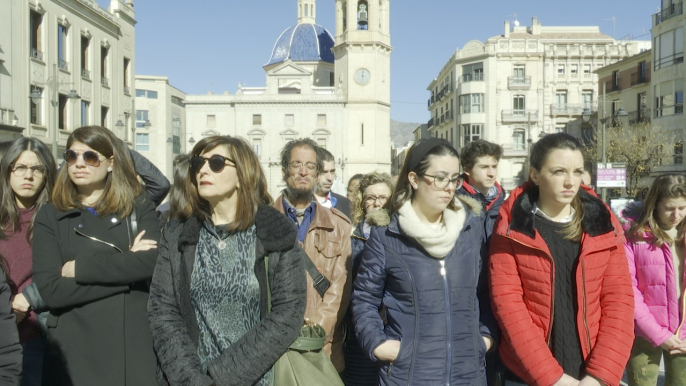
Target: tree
{"type": "Point", "coordinates": [642, 147]}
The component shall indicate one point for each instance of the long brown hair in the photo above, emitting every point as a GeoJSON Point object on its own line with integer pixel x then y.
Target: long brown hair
{"type": "Point", "coordinates": [121, 185]}
{"type": "Point", "coordinates": [180, 195]}
{"type": "Point", "coordinates": [366, 181]}
{"type": "Point", "coordinates": [663, 187]}
{"type": "Point", "coordinates": [253, 183]}
{"type": "Point", "coordinates": [403, 190]}
{"type": "Point", "coordinates": [9, 212]}
{"type": "Point", "coordinates": [539, 156]}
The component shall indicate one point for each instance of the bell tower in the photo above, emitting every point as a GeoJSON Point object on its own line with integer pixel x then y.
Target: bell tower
{"type": "Point", "coordinates": [362, 53]}
{"type": "Point", "coordinates": [307, 11]}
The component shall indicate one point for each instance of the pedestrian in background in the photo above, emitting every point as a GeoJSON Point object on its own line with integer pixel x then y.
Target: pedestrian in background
{"type": "Point", "coordinates": [325, 180]}
{"type": "Point", "coordinates": [655, 250]}
{"type": "Point", "coordinates": [28, 174]}
{"type": "Point", "coordinates": [373, 193]}
{"type": "Point", "coordinates": [208, 307]}
{"type": "Point", "coordinates": [93, 268]}
{"type": "Point", "coordinates": [560, 284]}
{"type": "Point", "coordinates": [353, 183]}
{"type": "Point", "coordinates": [424, 268]}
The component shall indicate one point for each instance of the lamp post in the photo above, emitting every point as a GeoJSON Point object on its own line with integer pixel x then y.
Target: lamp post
{"type": "Point", "coordinates": [586, 116]}
{"type": "Point", "coordinates": [54, 83]}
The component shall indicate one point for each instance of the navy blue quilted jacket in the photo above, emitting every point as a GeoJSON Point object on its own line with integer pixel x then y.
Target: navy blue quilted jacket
{"type": "Point", "coordinates": [439, 320]}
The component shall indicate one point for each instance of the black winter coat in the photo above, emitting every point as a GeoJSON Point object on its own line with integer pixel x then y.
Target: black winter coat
{"type": "Point", "coordinates": [173, 319]}
{"type": "Point", "coordinates": [97, 327]}
{"type": "Point", "coordinates": [439, 320]}
{"type": "Point", "coordinates": [10, 349]}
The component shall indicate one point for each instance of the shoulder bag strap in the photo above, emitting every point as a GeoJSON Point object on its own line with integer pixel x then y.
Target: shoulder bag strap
{"type": "Point", "coordinates": [320, 282]}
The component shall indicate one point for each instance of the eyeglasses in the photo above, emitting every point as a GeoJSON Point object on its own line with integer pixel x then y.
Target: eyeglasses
{"type": "Point", "coordinates": [442, 182]}
{"type": "Point", "coordinates": [91, 158]}
{"type": "Point", "coordinates": [295, 167]}
{"type": "Point", "coordinates": [19, 170]}
{"type": "Point", "coordinates": [372, 199]}
{"type": "Point", "coordinates": [217, 163]}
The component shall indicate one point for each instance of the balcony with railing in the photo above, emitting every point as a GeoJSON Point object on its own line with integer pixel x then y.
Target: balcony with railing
{"type": "Point", "coordinates": [474, 77]}
{"type": "Point", "coordinates": [447, 89]}
{"type": "Point", "coordinates": [63, 64]}
{"type": "Point", "coordinates": [519, 82]}
{"type": "Point", "coordinates": [514, 149]}
{"type": "Point", "coordinates": [85, 74]}
{"type": "Point", "coordinates": [430, 124]}
{"type": "Point", "coordinates": [673, 10]}
{"type": "Point", "coordinates": [7, 117]}
{"type": "Point", "coordinates": [639, 116]}
{"type": "Point", "coordinates": [612, 85]}
{"type": "Point", "coordinates": [105, 82]}
{"type": "Point", "coordinates": [127, 90]}
{"type": "Point", "coordinates": [36, 54]}
{"type": "Point", "coordinates": [519, 115]}
{"type": "Point", "coordinates": [570, 109]}
{"type": "Point", "coordinates": [639, 78]}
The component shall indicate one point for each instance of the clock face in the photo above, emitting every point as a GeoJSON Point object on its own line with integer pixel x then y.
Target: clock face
{"type": "Point", "coordinates": [362, 76]}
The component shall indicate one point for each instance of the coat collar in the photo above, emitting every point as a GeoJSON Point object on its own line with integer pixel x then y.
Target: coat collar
{"type": "Point", "coordinates": [471, 205]}
{"type": "Point", "coordinates": [321, 218]}
{"type": "Point", "coordinates": [597, 218]}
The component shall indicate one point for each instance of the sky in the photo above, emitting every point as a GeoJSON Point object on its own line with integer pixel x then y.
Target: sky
{"type": "Point", "coordinates": [212, 45]}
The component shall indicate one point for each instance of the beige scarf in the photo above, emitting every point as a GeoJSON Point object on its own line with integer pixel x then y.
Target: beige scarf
{"type": "Point", "coordinates": [438, 242]}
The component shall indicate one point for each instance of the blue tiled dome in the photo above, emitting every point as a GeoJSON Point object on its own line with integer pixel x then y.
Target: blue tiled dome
{"type": "Point", "coordinates": [303, 43]}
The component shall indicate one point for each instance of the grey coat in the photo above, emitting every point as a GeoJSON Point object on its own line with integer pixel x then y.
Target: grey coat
{"type": "Point", "coordinates": [173, 320]}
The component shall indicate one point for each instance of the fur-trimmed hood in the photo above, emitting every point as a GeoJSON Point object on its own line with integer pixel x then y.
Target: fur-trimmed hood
{"type": "Point", "coordinates": [517, 212]}
{"type": "Point", "coordinates": [275, 231]}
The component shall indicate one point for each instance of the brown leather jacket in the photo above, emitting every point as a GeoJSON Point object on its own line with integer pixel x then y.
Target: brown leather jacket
{"type": "Point", "coordinates": [328, 246]}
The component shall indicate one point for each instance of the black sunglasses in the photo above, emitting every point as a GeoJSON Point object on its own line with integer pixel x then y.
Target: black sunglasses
{"type": "Point", "coordinates": [90, 157]}
{"type": "Point", "coordinates": [217, 163]}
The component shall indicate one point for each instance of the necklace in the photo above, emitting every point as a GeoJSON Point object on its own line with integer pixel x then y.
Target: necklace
{"type": "Point", "coordinates": [221, 245]}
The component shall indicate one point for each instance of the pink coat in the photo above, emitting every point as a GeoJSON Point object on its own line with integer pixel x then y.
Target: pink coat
{"type": "Point", "coordinates": [656, 312]}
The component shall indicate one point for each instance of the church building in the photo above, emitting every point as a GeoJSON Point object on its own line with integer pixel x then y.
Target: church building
{"type": "Point", "coordinates": [334, 89]}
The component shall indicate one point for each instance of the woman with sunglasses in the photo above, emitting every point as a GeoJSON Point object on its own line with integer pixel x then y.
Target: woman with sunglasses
{"type": "Point", "coordinates": [424, 268]}
{"type": "Point", "coordinates": [29, 174]}
{"type": "Point", "coordinates": [560, 284]}
{"type": "Point", "coordinates": [371, 194]}
{"type": "Point", "coordinates": [94, 255]}
{"type": "Point", "coordinates": [222, 263]}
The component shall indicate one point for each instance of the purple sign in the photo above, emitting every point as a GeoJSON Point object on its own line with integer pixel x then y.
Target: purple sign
{"type": "Point", "coordinates": [611, 177]}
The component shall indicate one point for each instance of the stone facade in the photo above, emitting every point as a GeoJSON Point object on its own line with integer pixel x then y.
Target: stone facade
{"type": "Point", "coordinates": [54, 46]}
{"type": "Point", "coordinates": [518, 86]}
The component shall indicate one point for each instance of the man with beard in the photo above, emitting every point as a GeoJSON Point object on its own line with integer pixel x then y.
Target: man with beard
{"type": "Point", "coordinates": [325, 237]}
{"type": "Point", "coordinates": [325, 179]}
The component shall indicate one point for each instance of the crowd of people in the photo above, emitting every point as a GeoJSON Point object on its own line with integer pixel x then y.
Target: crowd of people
{"type": "Point", "coordinates": [110, 275]}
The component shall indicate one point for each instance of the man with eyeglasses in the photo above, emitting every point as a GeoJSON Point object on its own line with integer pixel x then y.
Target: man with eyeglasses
{"type": "Point", "coordinates": [325, 180]}
{"type": "Point", "coordinates": [479, 161]}
{"type": "Point", "coordinates": [325, 237]}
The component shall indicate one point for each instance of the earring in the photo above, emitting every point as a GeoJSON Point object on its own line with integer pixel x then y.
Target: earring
{"type": "Point", "coordinates": [109, 169]}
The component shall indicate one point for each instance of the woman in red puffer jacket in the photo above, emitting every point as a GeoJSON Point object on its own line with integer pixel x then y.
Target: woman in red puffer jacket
{"type": "Point", "coordinates": [560, 284]}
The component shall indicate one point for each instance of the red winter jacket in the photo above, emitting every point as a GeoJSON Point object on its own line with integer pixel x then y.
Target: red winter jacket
{"type": "Point", "coordinates": [522, 283]}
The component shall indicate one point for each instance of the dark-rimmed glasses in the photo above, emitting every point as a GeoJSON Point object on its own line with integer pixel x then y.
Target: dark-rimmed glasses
{"type": "Point", "coordinates": [442, 182]}
{"type": "Point", "coordinates": [372, 199]}
{"type": "Point", "coordinates": [19, 170]}
{"type": "Point", "coordinates": [90, 157]}
{"type": "Point", "coordinates": [217, 163]}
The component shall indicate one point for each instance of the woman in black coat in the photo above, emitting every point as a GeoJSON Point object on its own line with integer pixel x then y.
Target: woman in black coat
{"type": "Point", "coordinates": [92, 266]}
{"type": "Point", "coordinates": [10, 349]}
{"type": "Point", "coordinates": [208, 306]}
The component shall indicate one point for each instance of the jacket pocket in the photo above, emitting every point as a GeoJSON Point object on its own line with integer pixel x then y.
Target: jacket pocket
{"type": "Point", "coordinates": [330, 249]}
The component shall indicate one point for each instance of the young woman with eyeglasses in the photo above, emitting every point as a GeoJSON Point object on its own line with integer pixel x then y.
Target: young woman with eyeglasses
{"type": "Point", "coordinates": [29, 171]}
{"type": "Point", "coordinates": [221, 260]}
{"type": "Point", "coordinates": [560, 284]}
{"type": "Point", "coordinates": [94, 254]}
{"type": "Point", "coordinates": [424, 268]}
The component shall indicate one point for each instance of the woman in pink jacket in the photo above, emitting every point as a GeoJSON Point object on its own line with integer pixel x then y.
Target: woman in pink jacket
{"type": "Point", "coordinates": [655, 248]}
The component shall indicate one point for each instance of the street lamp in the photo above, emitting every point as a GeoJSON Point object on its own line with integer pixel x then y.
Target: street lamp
{"type": "Point", "coordinates": [586, 116]}
{"type": "Point", "coordinates": [54, 84]}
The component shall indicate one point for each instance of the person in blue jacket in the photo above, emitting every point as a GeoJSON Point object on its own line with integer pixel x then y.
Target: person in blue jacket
{"type": "Point", "coordinates": [424, 267]}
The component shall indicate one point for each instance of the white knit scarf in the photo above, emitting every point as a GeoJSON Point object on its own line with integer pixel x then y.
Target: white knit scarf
{"type": "Point", "coordinates": [437, 242]}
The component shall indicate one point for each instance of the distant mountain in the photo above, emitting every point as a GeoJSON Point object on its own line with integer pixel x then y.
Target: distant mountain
{"type": "Point", "coordinates": [401, 132]}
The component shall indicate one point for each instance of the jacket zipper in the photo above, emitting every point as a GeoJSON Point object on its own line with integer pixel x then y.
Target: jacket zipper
{"type": "Point", "coordinates": [98, 240]}
{"type": "Point", "coordinates": [416, 316]}
{"type": "Point", "coordinates": [552, 285]}
{"type": "Point", "coordinates": [583, 278]}
{"type": "Point", "coordinates": [449, 329]}
{"type": "Point", "coordinates": [683, 308]}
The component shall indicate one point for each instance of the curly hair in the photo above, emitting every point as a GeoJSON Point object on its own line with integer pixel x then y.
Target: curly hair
{"type": "Point", "coordinates": [300, 142]}
{"type": "Point", "coordinates": [479, 148]}
{"type": "Point", "coordinates": [368, 180]}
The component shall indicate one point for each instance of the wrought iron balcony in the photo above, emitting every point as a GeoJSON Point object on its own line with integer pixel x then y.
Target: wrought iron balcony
{"type": "Point", "coordinates": [638, 78]}
{"type": "Point", "coordinates": [474, 77]}
{"type": "Point", "coordinates": [519, 115]}
{"type": "Point", "coordinates": [570, 109]}
{"type": "Point", "coordinates": [38, 55]}
{"type": "Point", "coordinates": [85, 73]}
{"type": "Point", "coordinates": [519, 82]}
{"type": "Point", "coordinates": [63, 64]}
{"type": "Point", "coordinates": [105, 82]}
{"type": "Point", "coordinates": [430, 123]}
{"type": "Point", "coordinates": [127, 90]}
{"type": "Point", "coordinates": [673, 10]}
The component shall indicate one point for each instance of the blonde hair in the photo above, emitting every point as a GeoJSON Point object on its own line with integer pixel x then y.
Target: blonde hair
{"type": "Point", "coordinates": [663, 187]}
{"type": "Point", "coordinates": [366, 181]}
